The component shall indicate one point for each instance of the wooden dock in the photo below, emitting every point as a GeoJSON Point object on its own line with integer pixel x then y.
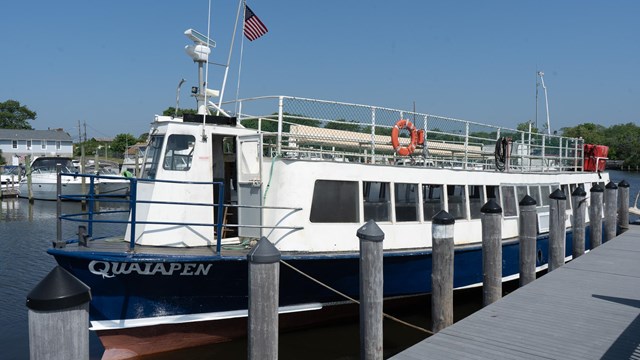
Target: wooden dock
{"type": "Point", "coordinates": [587, 309]}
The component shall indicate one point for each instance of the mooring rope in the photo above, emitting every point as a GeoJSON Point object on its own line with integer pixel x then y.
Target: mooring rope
{"type": "Point", "coordinates": [352, 299]}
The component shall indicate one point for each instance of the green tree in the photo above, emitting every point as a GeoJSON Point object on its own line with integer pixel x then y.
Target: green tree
{"type": "Point", "coordinates": [591, 133]}
{"type": "Point", "coordinates": [143, 138]}
{"type": "Point", "coordinates": [171, 111]}
{"type": "Point", "coordinates": [15, 116]}
{"type": "Point", "coordinates": [525, 127]}
{"type": "Point", "coordinates": [121, 142]}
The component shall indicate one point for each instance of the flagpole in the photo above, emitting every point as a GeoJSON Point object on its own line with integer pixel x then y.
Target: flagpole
{"type": "Point", "coordinates": [241, 55]}
{"type": "Point", "coordinates": [233, 38]}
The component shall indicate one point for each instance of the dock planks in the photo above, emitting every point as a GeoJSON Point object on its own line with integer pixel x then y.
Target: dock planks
{"type": "Point", "coordinates": [588, 308]}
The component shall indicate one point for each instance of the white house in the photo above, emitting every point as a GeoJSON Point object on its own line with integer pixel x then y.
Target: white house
{"type": "Point", "coordinates": [17, 144]}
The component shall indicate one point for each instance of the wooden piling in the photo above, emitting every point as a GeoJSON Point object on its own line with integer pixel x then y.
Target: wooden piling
{"type": "Point", "coordinates": [528, 231]}
{"type": "Point", "coordinates": [371, 290]}
{"type": "Point", "coordinates": [595, 215]}
{"type": "Point", "coordinates": [557, 229]}
{"type": "Point", "coordinates": [610, 210]}
{"type": "Point", "coordinates": [623, 206]}
{"type": "Point", "coordinates": [578, 197]}
{"type": "Point", "coordinates": [442, 270]}
{"type": "Point", "coordinates": [59, 317]}
{"type": "Point", "coordinates": [491, 252]}
{"type": "Point", "coordinates": [264, 285]}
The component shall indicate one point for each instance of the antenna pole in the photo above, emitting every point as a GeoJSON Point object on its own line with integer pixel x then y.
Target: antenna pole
{"type": "Point", "coordinates": [233, 38]}
{"type": "Point", "coordinates": [178, 96]}
{"type": "Point", "coordinates": [546, 100]}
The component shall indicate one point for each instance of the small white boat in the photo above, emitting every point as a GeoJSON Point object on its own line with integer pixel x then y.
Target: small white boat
{"type": "Point", "coordinates": [44, 180]}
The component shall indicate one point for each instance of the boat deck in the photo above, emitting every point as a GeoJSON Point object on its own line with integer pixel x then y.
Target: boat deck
{"type": "Point", "coordinates": [586, 309]}
{"type": "Point", "coordinates": [118, 245]}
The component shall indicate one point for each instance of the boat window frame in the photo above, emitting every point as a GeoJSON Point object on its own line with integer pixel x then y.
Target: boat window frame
{"type": "Point", "coordinates": [416, 201]}
{"type": "Point", "coordinates": [152, 157]}
{"type": "Point", "coordinates": [319, 202]}
{"type": "Point", "coordinates": [169, 150]}
{"type": "Point", "coordinates": [440, 203]}
{"type": "Point", "coordinates": [385, 191]}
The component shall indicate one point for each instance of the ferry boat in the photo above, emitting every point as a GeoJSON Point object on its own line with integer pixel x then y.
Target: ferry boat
{"type": "Point", "coordinates": [304, 174]}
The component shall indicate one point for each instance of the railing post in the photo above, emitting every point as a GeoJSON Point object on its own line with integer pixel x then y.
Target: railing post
{"type": "Point", "coordinates": [595, 216]}
{"type": "Point", "coordinates": [133, 195]}
{"type": "Point", "coordinates": [264, 285]}
{"type": "Point", "coordinates": [220, 218]}
{"type": "Point", "coordinates": [578, 197]}
{"type": "Point", "coordinates": [557, 229]}
{"type": "Point", "coordinates": [280, 120]}
{"type": "Point", "coordinates": [611, 207]}
{"type": "Point", "coordinates": [91, 204]}
{"type": "Point", "coordinates": [371, 290]}
{"type": "Point", "coordinates": [623, 206]}
{"type": "Point", "coordinates": [58, 242]}
{"type": "Point", "coordinates": [491, 252]}
{"type": "Point", "coordinates": [442, 270]}
{"type": "Point", "coordinates": [528, 231]}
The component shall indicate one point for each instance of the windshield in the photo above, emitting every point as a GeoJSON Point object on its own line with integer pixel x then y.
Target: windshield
{"type": "Point", "coordinates": [152, 157]}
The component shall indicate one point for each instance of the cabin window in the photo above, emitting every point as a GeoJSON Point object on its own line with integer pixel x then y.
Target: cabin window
{"type": "Point", "coordinates": [544, 193]}
{"type": "Point", "coordinates": [534, 192]}
{"type": "Point", "coordinates": [565, 190]}
{"type": "Point", "coordinates": [493, 192]}
{"type": "Point", "coordinates": [509, 202]}
{"type": "Point", "coordinates": [406, 202]}
{"type": "Point", "coordinates": [476, 200]}
{"type": "Point", "coordinates": [521, 192]}
{"type": "Point", "coordinates": [179, 152]}
{"type": "Point", "coordinates": [152, 158]}
{"type": "Point", "coordinates": [334, 202]}
{"type": "Point", "coordinates": [14, 144]}
{"type": "Point", "coordinates": [457, 200]}
{"type": "Point", "coordinates": [375, 197]}
{"type": "Point", "coordinates": [432, 200]}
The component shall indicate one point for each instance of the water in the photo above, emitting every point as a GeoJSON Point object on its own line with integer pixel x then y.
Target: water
{"type": "Point", "coordinates": [27, 231]}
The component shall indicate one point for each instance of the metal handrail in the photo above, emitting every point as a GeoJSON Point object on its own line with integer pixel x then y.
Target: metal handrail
{"type": "Point", "coordinates": [91, 197]}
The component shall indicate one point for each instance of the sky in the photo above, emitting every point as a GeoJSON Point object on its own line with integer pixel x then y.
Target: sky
{"type": "Point", "coordinates": [115, 64]}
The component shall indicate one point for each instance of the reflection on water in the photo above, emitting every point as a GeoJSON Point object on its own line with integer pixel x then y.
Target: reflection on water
{"type": "Point", "coordinates": [26, 232]}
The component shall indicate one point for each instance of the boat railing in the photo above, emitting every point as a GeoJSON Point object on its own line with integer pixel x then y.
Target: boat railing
{"type": "Point", "coordinates": [312, 129]}
{"type": "Point", "coordinates": [94, 202]}
{"type": "Point", "coordinates": [92, 198]}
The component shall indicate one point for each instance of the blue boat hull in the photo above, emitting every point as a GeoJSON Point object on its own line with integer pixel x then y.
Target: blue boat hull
{"type": "Point", "coordinates": [134, 287]}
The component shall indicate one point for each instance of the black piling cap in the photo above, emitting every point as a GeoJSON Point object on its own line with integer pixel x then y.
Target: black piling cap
{"type": "Point", "coordinates": [58, 290]}
{"type": "Point", "coordinates": [491, 207]}
{"type": "Point", "coordinates": [527, 201]}
{"type": "Point", "coordinates": [596, 188]}
{"type": "Point", "coordinates": [623, 184]}
{"type": "Point", "coordinates": [370, 231]}
{"type": "Point", "coordinates": [611, 186]}
{"type": "Point", "coordinates": [264, 253]}
{"type": "Point", "coordinates": [579, 191]}
{"type": "Point", "coordinates": [558, 194]}
{"type": "Point", "coordinates": [443, 218]}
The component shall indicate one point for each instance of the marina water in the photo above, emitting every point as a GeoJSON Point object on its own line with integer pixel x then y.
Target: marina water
{"type": "Point", "coordinates": [26, 232]}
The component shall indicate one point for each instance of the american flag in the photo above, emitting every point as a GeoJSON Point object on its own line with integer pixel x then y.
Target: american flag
{"type": "Point", "coordinates": [253, 27]}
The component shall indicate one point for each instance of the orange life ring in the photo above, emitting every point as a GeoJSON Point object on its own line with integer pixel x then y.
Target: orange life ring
{"type": "Point", "coordinates": [395, 142]}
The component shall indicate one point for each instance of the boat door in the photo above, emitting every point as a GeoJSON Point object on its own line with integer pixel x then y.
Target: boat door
{"type": "Point", "coordinates": [249, 168]}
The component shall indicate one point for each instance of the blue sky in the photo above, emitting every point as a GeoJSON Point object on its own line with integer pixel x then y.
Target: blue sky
{"type": "Point", "coordinates": [114, 64]}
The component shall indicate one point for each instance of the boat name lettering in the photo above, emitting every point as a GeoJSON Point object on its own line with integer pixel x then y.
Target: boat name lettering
{"type": "Point", "coordinates": [110, 269]}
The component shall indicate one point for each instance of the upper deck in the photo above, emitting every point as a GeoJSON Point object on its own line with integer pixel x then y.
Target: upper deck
{"type": "Point", "coordinates": [299, 128]}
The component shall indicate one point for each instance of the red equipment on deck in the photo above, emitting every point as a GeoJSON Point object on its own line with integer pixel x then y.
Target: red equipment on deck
{"type": "Point", "coordinates": [595, 157]}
